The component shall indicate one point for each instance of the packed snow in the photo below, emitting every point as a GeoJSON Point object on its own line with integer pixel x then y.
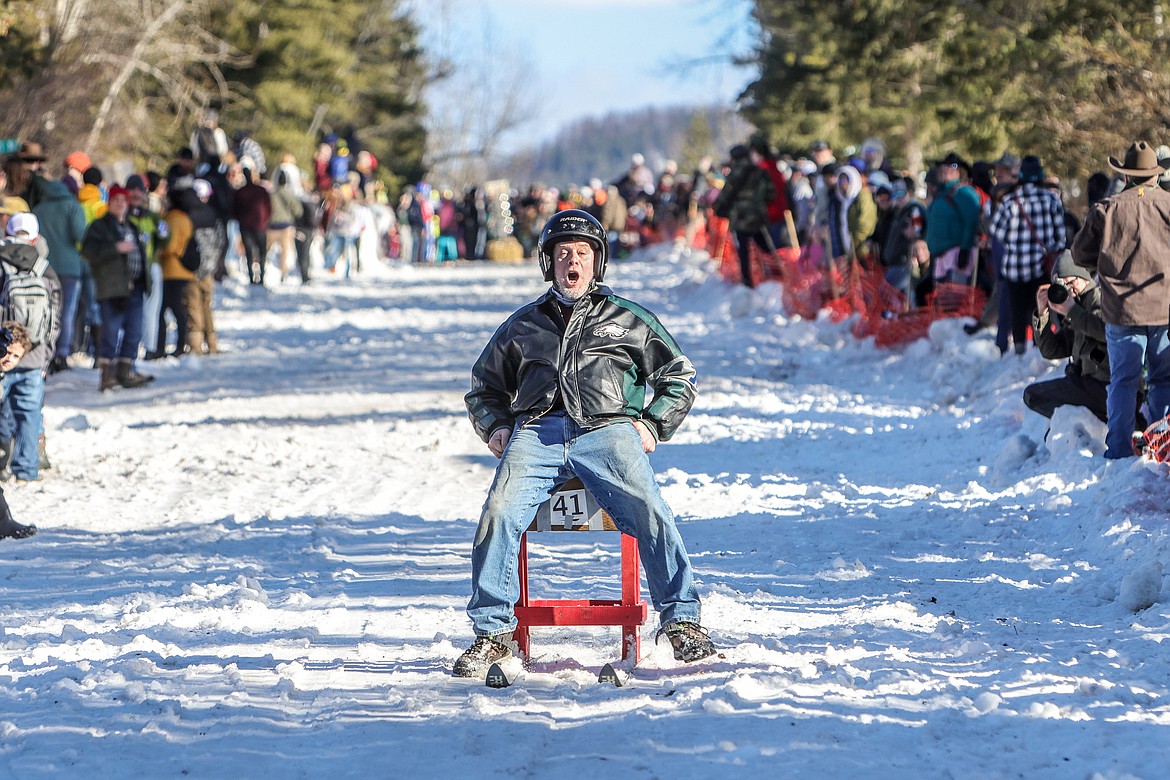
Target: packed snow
{"type": "Point", "coordinates": [256, 567]}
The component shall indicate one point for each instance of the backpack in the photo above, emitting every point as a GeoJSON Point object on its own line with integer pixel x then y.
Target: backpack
{"type": "Point", "coordinates": [209, 242]}
{"type": "Point", "coordinates": [25, 299]}
{"type": "Point", "coordinates": [190, 257]}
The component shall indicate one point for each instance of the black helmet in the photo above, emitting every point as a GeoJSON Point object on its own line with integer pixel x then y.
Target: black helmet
{"type": "Point", "coordinates": [576, 225]}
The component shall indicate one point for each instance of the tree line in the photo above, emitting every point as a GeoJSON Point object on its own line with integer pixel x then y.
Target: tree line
{"type": "Point", "coordinates": [122, 78]}
{"type": "Point", "coordinates": [1070, 81]}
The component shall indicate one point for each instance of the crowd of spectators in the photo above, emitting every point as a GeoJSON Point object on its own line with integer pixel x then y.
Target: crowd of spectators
{"type": "Point", "coordinates": [1095, 296]}
{"type": "Point", "coordinates": [130, 268]}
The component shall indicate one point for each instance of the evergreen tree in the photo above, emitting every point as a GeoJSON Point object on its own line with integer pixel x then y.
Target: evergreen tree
{"type": "Point", "coordinates": [1070, 81]}
{"type": "Point", "coordinates": [349, 67]}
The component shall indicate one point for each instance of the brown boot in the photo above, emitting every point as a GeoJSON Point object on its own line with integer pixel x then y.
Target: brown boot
{"type": "Point", "coordinates": [107, 380]}
{"type": "Point", "coordinates": [126, 376]}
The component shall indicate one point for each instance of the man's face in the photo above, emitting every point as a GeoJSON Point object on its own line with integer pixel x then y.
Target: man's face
{"type": "Point", "coordinates": [573, 268]}
{"type": "Point", "coordinates": [10, 360]}
{"type": "Point", "coordinates": [1075, 284]}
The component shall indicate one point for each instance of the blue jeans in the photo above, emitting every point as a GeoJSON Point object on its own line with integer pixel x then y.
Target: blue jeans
{"type": "Point", "coordinates": [338, 246]}
{"type": "Point", "coordinates": [70, 296]}
{"type": "Point", "coordinates": [24, 395]}
{"type": "Point", "coordinates": [610, 462]}
{"type": "Point", "coordinates": [122, 317]}
{"type": "Point", "coordinates": [1129, 346]}
{"type": "Point", "coordinates": [901, 279]}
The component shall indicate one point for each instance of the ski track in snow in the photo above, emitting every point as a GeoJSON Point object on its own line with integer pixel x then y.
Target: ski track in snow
{"type": "Point", "coordinates": [257, 566]}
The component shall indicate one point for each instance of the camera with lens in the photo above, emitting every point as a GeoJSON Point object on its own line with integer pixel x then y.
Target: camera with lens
{"type": "Point", "coordinates": [1058, 293]}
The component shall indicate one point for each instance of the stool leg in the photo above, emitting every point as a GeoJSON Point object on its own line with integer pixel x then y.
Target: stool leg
{"type": "Point", "coordinates": [521, 635]}
{"type": "Point", "coordinates": [631, 595]}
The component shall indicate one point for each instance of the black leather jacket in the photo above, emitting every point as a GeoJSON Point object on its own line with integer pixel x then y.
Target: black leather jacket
{"type": "Point", "coordinates": [599, 365]}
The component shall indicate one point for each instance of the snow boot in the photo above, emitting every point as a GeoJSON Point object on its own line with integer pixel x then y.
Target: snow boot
{"type": "Point", "coordinates": [689, 641]}
{"type": "Point", "coordinates": [485, 651]}
{"type": "Point", "coordinates": [9, 528]}
{"type": "Point", "coordinates": [126, 376]}
{"type": "Point", "coordinates": [107, 380]}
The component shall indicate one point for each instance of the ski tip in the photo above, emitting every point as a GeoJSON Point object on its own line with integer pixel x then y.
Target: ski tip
{"type": "Point", "coordinates": [609, 675]}
{"type": "Point", "coordinates": [496, 678]}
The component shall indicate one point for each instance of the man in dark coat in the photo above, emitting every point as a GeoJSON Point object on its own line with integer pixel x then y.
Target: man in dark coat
{"type": "Point", "coordinates": [1069, 325]}
{"type": "Point", "coordinates": [560, 390]}
{"type": "Point", "coordinates": [744, 203]}
{"type": "Point", "coordinates": [117, 254]}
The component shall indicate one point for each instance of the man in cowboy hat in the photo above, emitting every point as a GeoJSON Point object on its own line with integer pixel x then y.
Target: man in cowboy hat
{"type": "Point", "coordinates": [1130, 260]}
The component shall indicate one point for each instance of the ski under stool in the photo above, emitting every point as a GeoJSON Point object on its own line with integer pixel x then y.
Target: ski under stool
{"type": "Point", "coordinates": [572, 508]}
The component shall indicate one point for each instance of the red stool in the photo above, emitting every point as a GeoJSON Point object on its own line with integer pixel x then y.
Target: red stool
{"type": "Point", "coordinates": [572, 508]}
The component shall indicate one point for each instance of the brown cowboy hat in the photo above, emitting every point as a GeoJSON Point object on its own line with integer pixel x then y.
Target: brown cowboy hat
{"type": "Point", "coordinates": [1140, 160]}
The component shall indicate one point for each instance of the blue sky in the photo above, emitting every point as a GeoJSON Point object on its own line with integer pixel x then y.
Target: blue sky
{"type": "Point", "coordinates": [591, 57]}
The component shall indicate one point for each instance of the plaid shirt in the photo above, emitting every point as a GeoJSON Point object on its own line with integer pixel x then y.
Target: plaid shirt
{"type": "Point", "coordinates": [1024, 246]}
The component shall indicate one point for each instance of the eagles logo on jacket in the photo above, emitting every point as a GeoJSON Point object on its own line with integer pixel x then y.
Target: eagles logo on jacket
{"type": "Point", "coordinates": [596, 367]}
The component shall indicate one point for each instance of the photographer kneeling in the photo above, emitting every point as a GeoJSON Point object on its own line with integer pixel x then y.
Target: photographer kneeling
{"type": "Point", "coordinates": [1067, 324]}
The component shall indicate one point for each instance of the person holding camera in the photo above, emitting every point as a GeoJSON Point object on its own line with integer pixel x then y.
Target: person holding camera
{"type": "Point", "coordinates": [14, 345]}
{"type": "Point", "coordinates": [1067, 324]}
{"type": "Point", "coordinates": [1124, 244]}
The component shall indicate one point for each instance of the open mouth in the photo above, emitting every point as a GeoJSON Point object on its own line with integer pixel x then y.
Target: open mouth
{"type": "Point", "coordinates": [572, 277]}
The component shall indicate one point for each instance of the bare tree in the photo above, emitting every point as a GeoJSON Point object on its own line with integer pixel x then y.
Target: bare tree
{"type": "Point", "coordinates": [485, 97]}
{"type": "Point", "coordinates": [119, 75]}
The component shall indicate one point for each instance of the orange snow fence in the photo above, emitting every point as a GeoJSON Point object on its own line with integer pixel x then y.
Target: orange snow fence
{"type": "Point", "coordinates": [1156, 444]}
{"type": "Point", "coordinates": [810, 283]}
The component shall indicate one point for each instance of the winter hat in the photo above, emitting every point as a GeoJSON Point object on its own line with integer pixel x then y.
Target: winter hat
{"type": "Point", "coordinates": [1031, 170]}
{"type": "Point", "coordinates": [136, 182]}
{"type": "Point", "coordinates": [1066, 267]}
{"type": "Point", "coordinates": [10, 204]}
{"type": "Point", "coordinates": [1008, 160]}
{"type": "Point", "coordinates": [738, 152]}
{"type": "Point", "coordinates": [879, 179]}
{"type": "Point", "coordinates": [79, 160]}
{"type": "Point", "coordinates": [117, 191]}
{"type": "Point", "coordinates": [24, 223]}
{"type": "Point", "coordinates": [202, 189]}
{"type": "Point", "coordinates": [849, 180]}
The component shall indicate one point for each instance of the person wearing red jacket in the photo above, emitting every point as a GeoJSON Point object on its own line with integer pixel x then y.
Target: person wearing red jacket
{"type": "Point", "coordinates": [253, 209]}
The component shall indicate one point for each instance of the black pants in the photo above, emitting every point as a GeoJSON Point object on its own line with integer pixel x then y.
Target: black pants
{"type": "Point", "coordinates": [1021, 304]}
{"type": "Point", "coordinates": [174, 299]}
{"type": "Point", "coordinates": [303, 242]}
{"type": "Point", "coordinates": [256, 252]}
{"type": "Point", "coordinates": [1069, 390]}
{"type": "Point", "coordinates": [743, 245]}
